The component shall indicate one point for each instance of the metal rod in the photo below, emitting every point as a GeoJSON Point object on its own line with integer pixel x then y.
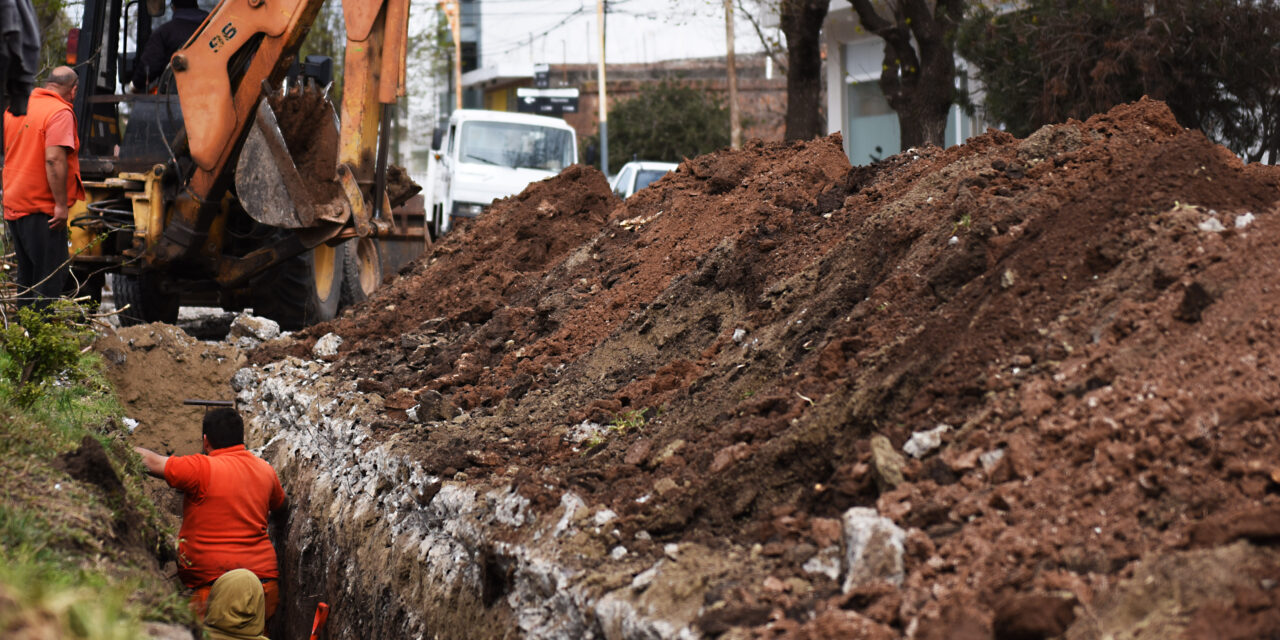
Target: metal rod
{"type": "Point", "coordinates": [210, 403]}
{"type": "Point", "coordinates": [380, 169]}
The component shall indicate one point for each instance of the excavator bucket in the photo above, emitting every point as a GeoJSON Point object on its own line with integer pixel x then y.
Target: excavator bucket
{"type": "Point", "coordinates": [286, 174]}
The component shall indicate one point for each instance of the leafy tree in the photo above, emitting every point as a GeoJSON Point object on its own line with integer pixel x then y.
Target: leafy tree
{"type": "Point", "coordinates": [665, 122]}
{"type": "Point", "coordinates": [754, 11]}
{"type": "Point", "coordinates": [1213, 62]}
{"type": "Point", "coordinates": [802, 24]}
{"type": "Point", "coordinates": [52, 20]}
{"type": "Point", "coordinates": [918, 73]}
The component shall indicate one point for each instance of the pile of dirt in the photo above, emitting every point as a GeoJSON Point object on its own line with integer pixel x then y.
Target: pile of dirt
{"type": "Point", "coordinates": [1082, 320]}
{"type": "Point", "coordinates": [475, 270]}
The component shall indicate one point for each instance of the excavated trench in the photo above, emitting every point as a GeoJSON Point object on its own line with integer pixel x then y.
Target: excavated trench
{"type": "Point", "coordinates": [1013, 389]}
{"type": "Point", "coordinates": [395, 552]}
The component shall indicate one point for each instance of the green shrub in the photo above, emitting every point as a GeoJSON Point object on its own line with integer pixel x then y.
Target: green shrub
{"type": "Point", "coordinates": [41, 347]}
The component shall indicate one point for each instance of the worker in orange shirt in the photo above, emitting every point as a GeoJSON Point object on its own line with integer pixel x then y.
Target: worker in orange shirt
{"type": "Point", "coordinates": [228, 495]}
{"type": "Point", "coordinates": [41, 182]}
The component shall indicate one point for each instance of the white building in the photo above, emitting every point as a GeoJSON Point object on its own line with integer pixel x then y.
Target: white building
{"type": "Point", "coordinates": [855, 104]}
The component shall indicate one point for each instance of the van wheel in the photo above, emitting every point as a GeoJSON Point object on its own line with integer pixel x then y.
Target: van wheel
{"type": "Point", "coordinates": [361, 270]}
{"type": "Point", "coordinates": [146, 302]}
{"type": "Point", "coordinates": [302, 290]}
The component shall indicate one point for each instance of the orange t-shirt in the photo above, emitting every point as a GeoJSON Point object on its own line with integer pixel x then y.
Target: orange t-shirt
{"type": "Point", "coordinates": [224, 513]}
{"type": "Point", "coordinates": [49, 123]}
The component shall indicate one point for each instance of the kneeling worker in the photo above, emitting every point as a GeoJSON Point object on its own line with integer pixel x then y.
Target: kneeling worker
{"type": "Point", "coordinates": [228, 494]}
{"type": "Point", "coordinates": [237, 610]}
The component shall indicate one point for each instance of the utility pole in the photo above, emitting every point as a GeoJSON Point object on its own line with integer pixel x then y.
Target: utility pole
{"type": "Point", "coordinates": [735, 121]}
{"type": "Point", "coordinates": [453, 13]}
{"type": "Point", "coordinates": [604, 106]}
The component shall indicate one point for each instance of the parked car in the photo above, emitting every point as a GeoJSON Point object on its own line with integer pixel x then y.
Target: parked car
{"type": "Point", "coordinates": [637, 175]}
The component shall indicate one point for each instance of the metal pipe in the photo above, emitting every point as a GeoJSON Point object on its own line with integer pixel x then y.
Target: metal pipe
{"type": "Point", "coordinates": [604, 105]}
{"type": "Point", "coordinates": [735, 121]}
{"type": "Point", "coordinates": [380, 169]}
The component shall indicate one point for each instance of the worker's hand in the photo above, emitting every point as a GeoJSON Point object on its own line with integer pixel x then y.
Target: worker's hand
{"type": "Point", "coordinates": [59, 218]}
{"type": "Point", "coordinates": [152, 461]}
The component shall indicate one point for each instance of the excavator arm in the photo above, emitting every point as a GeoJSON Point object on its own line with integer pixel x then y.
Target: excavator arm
{"type": "Point", "coordinates": [223, 74]}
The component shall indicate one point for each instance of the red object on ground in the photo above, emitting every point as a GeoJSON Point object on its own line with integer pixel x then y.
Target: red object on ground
{"type": "Point", "coordinates": [317, 623]}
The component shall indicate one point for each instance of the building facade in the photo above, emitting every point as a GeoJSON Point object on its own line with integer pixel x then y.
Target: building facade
{"type": "Point", "coordinates": [855, 104]}
{"type": "Point", "coordinates": [761, 91]}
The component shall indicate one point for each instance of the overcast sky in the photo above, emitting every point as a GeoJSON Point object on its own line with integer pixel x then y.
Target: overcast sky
{"type": "Point", "coordinates": [558, 31]}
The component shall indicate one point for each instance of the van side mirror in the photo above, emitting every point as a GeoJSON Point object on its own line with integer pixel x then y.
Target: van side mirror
{"type": "Point", "coordinates": [437, 136]}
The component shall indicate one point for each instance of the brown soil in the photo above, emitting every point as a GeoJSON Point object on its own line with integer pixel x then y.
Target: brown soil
{"type": "Point", "coordinates": [304, 117]}
{"type": "Point", "coordinates": [749, 322]}
{"type": "Point", "coordinates": [310, 131]}
{"type": "Point", "coordinates": [400, 187]}
{"type": "Point", "coordinates": [154, 368]}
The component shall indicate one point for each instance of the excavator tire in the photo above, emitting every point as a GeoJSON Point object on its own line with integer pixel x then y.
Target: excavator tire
{"type": "Point", "coordinates": [361, 270]}
{"type": "Point", "coordinates": [303, 290]}
{"type": "Point", "coordinates": [145, 300]}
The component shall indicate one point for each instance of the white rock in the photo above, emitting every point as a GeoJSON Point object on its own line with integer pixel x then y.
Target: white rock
{"type": "Point", "coordinates": [253, 327]}
{"type": "Point", "coordinates": [645, 578]}
{"type": "Point", "coordinates": [1244, 220]}
{"type": "Point", "coordinates": [922, 442]}
{"type": "Point", "coordinates": [1212, 225]}
{"type": "Point", "coordinates": [953, 240]}
{"type": "Point", "coordinates": [990, 458]}
{"type": "Point", "coordinates": [571, 503]}
{"type": "Point", "coordinates": [327, 345]}
{"type": "Point", "coordinates": [874, 547]}
{"type": "Point", "coordinates": [604, 516]}
{"type": "Point", "coordinates": [739, 334]}
{"type": "Point", "coordinates": [619, 552]}
{"type": "Point", "coordinates": [826, 562]}
{"type": "Point", "coordinates": [584, 431]}
{"type": "Point", "coordinates": [130, 424]}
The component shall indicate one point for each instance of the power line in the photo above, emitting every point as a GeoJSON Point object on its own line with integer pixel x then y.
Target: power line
{"type": "Point", "coordinates": [524, 42]}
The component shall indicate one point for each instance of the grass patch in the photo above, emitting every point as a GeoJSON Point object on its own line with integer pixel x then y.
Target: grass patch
{"type": "Point", "coordinates": [622, 422]}
{"type": "Point", "coordinates": [76, 560]}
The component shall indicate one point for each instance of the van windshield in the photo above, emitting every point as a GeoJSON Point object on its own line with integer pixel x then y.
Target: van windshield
{"type": "Point", "coordinates": [509, 144]}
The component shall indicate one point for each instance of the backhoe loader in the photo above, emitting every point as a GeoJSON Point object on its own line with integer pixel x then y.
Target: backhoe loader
{"type": "Point", "coordinates": [236, 184]}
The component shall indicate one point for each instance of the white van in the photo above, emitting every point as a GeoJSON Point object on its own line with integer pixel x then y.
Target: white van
{"type": "Point", "coordinates": [482, 156]}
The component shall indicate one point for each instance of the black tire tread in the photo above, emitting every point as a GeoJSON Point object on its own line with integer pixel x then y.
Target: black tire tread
{"type": "Point", "coordinates": [288, 296]}
{"type": "Point", "coordinates": [145, 301]}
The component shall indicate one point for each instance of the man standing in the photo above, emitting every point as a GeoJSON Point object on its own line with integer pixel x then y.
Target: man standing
{"type": "Point", "coordinates": [41, 181]}
{"type": "Point", "coordinates": [165, 41]}
{"type": "Point", "coordinates": [228, 494]}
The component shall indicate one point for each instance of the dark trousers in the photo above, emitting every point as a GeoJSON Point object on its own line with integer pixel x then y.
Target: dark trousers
{"type": "Point", "coordinates": [42, 259]}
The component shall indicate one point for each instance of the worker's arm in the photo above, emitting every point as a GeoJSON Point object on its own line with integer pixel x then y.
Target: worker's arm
{"type": "Point", "coordinates": [153, 461]}
{"type": "Point", "coordinates": [55, 170]}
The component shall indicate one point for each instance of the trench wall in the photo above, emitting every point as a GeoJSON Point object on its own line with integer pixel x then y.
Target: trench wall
{"type": "Point", "coordinates": [397, 553]}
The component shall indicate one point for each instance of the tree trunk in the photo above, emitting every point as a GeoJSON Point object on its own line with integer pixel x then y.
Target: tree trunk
{"type": "Point", "coordinates": [918, 74]}
{"type": "Point", "coordinates": [802, 24]}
